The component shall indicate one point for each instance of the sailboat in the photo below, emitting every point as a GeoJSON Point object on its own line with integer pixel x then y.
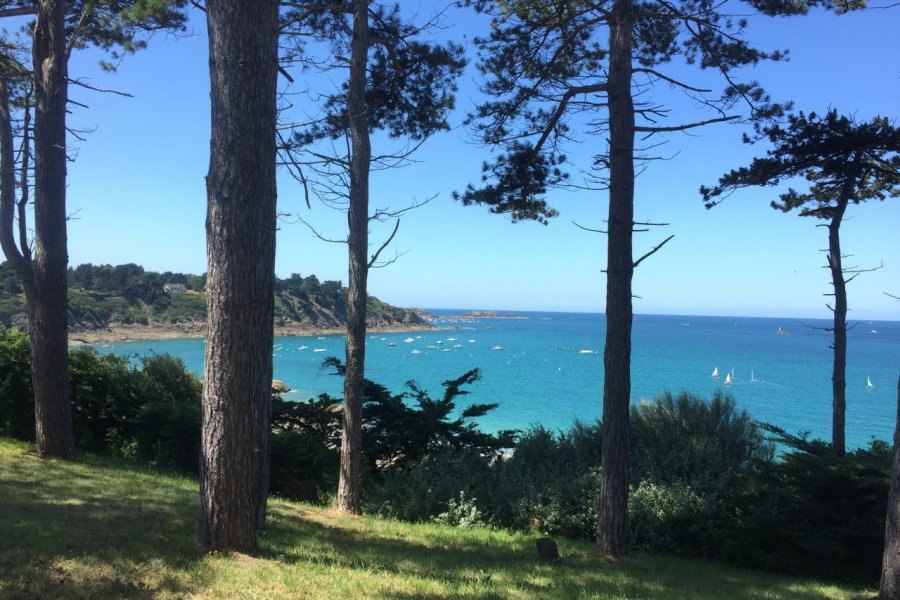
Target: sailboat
{"type": "Point", "coordinates": [752, 376]}
{"type": "Point", "coordinates": [869, 385]}
{"type": "Point", "coordinates": [727, 379]}
{"type": "Point", "coordinates": [715, 373]}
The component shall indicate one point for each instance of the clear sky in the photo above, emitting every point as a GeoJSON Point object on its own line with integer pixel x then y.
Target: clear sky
{"type": "Point", "coordinates": [136, 192]}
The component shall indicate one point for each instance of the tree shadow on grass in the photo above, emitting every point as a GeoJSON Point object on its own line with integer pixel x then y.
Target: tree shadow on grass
{"type": "Point", "coordinates": [479, 566]}
{"type": "Point", "coordinates": [63, 534]}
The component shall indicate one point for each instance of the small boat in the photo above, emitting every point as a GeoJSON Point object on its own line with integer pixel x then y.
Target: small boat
{"type": "Point", "coordinates": [320, 349]}
{"type": "Point", "coordinates": [409, 340]}
{"type": "Point", "coordinates": [715, 373]}
{"type": "Point", "coordinates": [447, 350]}
{"type": "Point", "coordinates": [451, 339]}
{"type": "Point", "coordinates": [782, 332]}
{"type": "Point", "coordinates": [391, 344]}
{"type": "Point", "coordinates": [302, 347]}
{"type": "Point", "coordinates": [439, 342]}
{"type": "Point", "coordinates": [429, 347]}
{"type": "Point", "coordinates": [585, 351]}
{"type": "Point", "coordinates": [416, 351]}
{"type": "Point", "coordinates": [497, 348]}
{"type": "Point", "coordinates": [457, 345]}
{"type": "Point", "coordinates": [869, 385]}
{"type": "Point", "coordinates": [320, 338]}
{"type": "Point", "coordinates": [727, 379]}
{"type": "Point", "coordinates": [471, 341]}
{"type": "Point", "coordinates": [752, 376]}
{"type": "Point", "coordinates": [733, 376]}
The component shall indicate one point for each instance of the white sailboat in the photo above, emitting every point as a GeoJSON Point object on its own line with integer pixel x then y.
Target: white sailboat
{"type": "Point", "coordinates": [727, 379]}
{"type": "Point", "coordinates": [869, 385]}
{"type": "Point", "coordinates": [715, 373]}
{"type": "Point", "coordinates": [752, 376]}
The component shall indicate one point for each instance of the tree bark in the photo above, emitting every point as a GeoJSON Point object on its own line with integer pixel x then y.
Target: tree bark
{"type": "Point", "coordinates": [48, 304]}
{"type": "Point", "coordinates": [240, 230]}
{"type": "Point", "coordinates": [612, 521]}
{"type": "Point", "coordinates": [358, 247]}
{"type": "Point", "coordinates": [890, 565]}
{"type": "Point", "coordinates": [839, 367]}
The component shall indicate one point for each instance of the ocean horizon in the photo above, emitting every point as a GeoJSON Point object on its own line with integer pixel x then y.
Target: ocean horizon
{"type": "Point", "coordinates": [546, 368]}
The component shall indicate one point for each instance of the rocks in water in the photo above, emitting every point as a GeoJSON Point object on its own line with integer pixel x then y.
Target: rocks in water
{"type": "Point", "coordinates": [547, 550]}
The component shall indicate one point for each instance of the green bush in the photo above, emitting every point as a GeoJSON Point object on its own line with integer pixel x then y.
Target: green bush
{"type": "Point", "coordinates": [814, 512]}
{"type": "Point", "coordinates": [16, 397]}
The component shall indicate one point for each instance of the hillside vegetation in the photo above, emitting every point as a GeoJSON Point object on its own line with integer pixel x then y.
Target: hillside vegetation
{"type": "Point", "coordinates": [104, 295]}
{"type": "Point", "coordinates": [101, 528]}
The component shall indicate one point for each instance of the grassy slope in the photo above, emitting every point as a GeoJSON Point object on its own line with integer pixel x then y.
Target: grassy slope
{"type": "Point", "coordinates": [103, 529]}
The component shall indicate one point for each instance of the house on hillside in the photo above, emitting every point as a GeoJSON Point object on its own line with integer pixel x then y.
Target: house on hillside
{"type": "Point", "coordinates": [174, 288]}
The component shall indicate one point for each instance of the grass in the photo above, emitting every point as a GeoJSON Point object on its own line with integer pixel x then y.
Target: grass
{"type": "Point", "coordinates": [100, 528]}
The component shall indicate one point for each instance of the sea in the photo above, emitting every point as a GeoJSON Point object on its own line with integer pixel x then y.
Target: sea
{"type": "Point", "coordinates": [546, 368]}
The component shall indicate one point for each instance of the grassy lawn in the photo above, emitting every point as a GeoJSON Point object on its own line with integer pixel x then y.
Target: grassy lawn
{"type": "Point", "coordinates": [99, 528]}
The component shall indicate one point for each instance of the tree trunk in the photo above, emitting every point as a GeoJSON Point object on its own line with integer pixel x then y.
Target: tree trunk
{"type": "Point", "coordinates": [890, 565]}
{"type": "Point", "coordinates": [839, 368]}
{"type": "Point", "coordinates": [240, 241]}
{"type": "Point", "coordinates": [358, 242]}
{"type": "Point", "coordinates": [612, 522]}
{"type": "Point", "coordinates": [48, 304]}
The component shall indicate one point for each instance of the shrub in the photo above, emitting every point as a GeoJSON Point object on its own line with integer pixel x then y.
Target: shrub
{"type": "Point", "coordinates": [16, 396]}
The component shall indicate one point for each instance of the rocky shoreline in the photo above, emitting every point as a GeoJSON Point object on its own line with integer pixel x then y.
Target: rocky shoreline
{"type": "Point", "coordinates": [170, 331]}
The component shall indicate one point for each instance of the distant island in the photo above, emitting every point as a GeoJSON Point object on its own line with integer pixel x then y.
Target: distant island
{"type": "Point", "coordinates": [116, 303]}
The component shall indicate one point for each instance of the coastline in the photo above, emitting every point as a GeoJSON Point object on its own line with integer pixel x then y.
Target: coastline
{"type": "Point", "coordinates": [169, 331]}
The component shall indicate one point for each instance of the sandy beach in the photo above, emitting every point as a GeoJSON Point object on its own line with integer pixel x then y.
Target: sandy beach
{"type": "Point", "coordinates": [168, 331]}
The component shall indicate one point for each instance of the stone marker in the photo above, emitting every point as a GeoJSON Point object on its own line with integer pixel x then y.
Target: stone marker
{"type": "Point", "coordinates": [547, 550]}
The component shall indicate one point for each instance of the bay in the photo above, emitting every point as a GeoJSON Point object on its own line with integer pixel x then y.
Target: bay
{"type": "Point", "coordinates": [547, 368]}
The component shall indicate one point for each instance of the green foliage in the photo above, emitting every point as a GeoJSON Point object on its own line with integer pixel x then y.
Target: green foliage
{"type": "Point", "coordinates": [546, 68]}
{"type": "Point", "coordinates": [97, 528]}
{"type": "Point", "coordinates": [814, 512]}
{"type": "Point", "coordinates": [843, 160]}
{"type": "Point", "coordinates": [461, 513]}
{"type": "Point", "coordinates": [103, 294]}
{"type": "Point", "coordinates": [666, 518]}
{"type": "Point", "coordinates": [16, 396]}
{"type": "Point", "coordinates": [410, 82]}
{"type": "Point", "coordinates": [706, 444]}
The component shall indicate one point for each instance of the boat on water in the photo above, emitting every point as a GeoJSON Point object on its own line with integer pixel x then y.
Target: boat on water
{"type": "Point", "coordinates": [869, 385]}
{"type": "Point", "coordinates": [782, 332]}
{"type": "Point", "coordinates": [715, 373]}
{"type": "Point", "coordinates": [497, 348]}
{"type": "Point", "coordinates": [727, 379]}
{"type": "Point", "coordinates": [416, 351]}
{"type": "Point", "coordinates": [391, 344]}
{"type": "Point", "coordinates": [320, 349]}
{"type": "Point", "coordinates": [752, 376]}
{"type": "Point", "coordinates": [302, 347]}
{"type": "Point", "coordinates": [451, 339]}
{"type": "Point", "coordinates": [585, 351]}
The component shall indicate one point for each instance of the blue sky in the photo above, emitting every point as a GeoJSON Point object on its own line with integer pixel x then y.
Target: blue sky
{"type": "Point", "coordinates": [137, 194]}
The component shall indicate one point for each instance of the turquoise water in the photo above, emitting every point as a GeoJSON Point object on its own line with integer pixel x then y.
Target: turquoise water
{"type": "Point", "coordinates": [540, 375]}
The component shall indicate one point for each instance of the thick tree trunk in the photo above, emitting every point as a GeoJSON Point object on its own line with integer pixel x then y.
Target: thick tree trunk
{"type": "Point", "coordinates": [839, 367]}
{"type": "Point", "coordinates": [240, 230]}
{"type": "Point", "coordinates": [48, 304]}
{"type": "Point", "coordinates": [358, 242]}
{"type": "Point", "coordinates": [612, 522]}
{"type": "Point", "coordinates": [890, 565]}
